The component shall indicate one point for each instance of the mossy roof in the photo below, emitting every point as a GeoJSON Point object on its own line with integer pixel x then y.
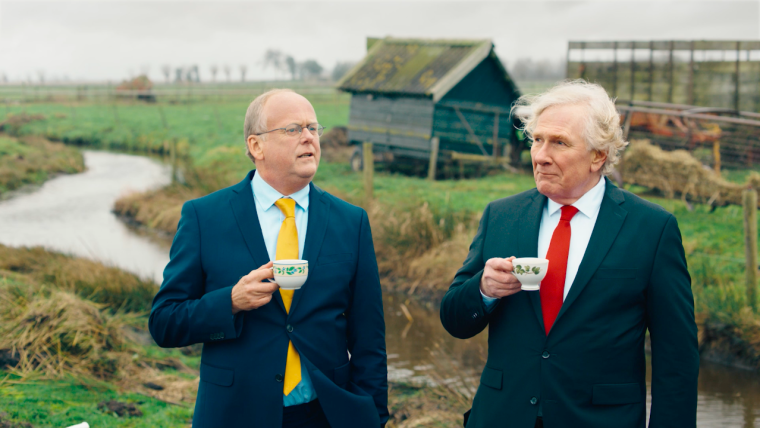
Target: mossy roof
{"type": "Point", "coordinates": [422, 67]}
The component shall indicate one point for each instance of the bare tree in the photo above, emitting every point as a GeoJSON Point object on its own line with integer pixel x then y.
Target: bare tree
{"type": "Point", "coordinates": [310, 69]}
{"type": "Point", "coordinates": [273, 58]}
{"type": "Point", "coordinates": [243, 69]}
{"type": "Point", "coordinates": [228, 71]}
{"type": "Point", "coordinates": [292, 67]}
{"type": "Point", "coordinates": [214, 69]}
{"type": "Point", "coordinates": [167, 70]}
{"type": "Point", "coordinates": [41, 75]}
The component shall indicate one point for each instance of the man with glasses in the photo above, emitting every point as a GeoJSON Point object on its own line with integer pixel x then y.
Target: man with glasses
{"type": "Point", "coordinates": [277, 358]}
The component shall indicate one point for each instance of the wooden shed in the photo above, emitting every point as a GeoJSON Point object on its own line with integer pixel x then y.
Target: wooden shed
{"type": "Point", "coordinates": [417, 98]}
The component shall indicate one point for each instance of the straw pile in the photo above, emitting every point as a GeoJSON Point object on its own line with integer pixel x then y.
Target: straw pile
{"type": "Point", "coordinates": [679, 173]}
{"type": "Point", "coordinates": [65, 316]}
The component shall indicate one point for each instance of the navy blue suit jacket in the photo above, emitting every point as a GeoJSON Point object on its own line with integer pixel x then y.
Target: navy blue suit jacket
{"type": "Point", "coordinates": [337, 311]}
{"type": "Point", "coordinates": [589, 372]}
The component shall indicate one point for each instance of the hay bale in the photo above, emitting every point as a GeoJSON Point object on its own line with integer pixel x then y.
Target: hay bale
{"type": "Point", "coordinates": [679, 173]}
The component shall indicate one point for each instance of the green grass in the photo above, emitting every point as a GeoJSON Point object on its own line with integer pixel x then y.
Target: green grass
{"type": "Point", "coordinates": [209, 133]}
{"type": "Point", "coordinates": [34, 160]}
{"type": "Point", "coordinates": [69, 401]}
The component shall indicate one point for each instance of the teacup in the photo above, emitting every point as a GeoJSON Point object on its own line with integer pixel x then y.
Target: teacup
{"type": "Point", "coordinates": [530, 271]}
{"type": "Point", "coordinates": [290, 274]}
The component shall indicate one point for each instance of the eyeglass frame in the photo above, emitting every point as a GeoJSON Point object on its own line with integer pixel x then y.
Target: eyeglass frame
{"type": "Point", "coordinates": [320, 129]}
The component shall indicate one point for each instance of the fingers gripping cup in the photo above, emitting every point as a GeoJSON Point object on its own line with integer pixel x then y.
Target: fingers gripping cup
{"type": "Point", "coordinates": [290, 274]}
{"type": "Point", "coordinates": [530, 271]}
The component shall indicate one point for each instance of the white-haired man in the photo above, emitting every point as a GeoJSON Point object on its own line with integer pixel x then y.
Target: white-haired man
{"type": "Point", "coordinates": [572, 354]}
{"type": "Point", "coordinates": [272, 358]}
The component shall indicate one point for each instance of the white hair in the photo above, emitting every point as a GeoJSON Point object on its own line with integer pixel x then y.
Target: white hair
{"type": "Point", "coordinates": [602, 131]}
{"type": "Point", "coordinates": [256, 117]}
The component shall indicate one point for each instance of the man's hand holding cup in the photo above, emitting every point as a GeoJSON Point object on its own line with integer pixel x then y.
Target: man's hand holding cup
{"type": "Point", "coordinates": [497, 280]}
{"type": "Point", "coordinates": [252, 291]}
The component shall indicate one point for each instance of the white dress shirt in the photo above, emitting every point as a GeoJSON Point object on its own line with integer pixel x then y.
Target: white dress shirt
{"type": "Point", "coordinates": [270, 219]}
{"type": "Point", "coordinates": [581, 227]}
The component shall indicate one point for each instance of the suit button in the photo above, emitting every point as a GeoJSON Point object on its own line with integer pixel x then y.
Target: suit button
{"type": "Point", "coordinates": [278, 377]}
{"type": "Point", "coordinates": [289, 328]}
{"type": "Point", "coordinates": [545, 354]}
{"type": "Point", "coordinates": [475, 315]}
{"type": "Point", "coordinates": [534, 401]}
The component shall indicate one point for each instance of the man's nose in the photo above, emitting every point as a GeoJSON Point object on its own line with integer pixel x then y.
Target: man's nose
{"type": "Point", "coordinates": [540, 153]}
{"type": "Point", "coordinates": [306, 135]}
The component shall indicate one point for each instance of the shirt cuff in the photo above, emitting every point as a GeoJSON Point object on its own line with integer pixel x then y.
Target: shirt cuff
{"type": "Point", "coordinates": [490, 302]}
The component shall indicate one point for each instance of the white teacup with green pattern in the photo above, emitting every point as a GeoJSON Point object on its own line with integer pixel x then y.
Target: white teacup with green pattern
{"type": "Point", "coordinates": [530, 271]}
{"type": "Point", "coordinates": [290, 274]}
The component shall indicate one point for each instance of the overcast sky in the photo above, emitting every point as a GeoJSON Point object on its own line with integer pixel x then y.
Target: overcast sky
{"type": "Point", "coordinates": [112, 40]}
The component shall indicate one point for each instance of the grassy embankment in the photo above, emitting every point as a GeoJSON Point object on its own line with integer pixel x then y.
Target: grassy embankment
{"type": "Point", "coordinates": [32, 159]}
{"type": "Point", "coordinates": [73, 337]}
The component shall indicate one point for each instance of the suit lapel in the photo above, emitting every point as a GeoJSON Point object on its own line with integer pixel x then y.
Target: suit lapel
{"type": "Point", "coordinates": [319, 211]}
{"type": "Point", "coordinates": [244, 209]}
{"type": "Point", "coordinates": [528, 242]}
{"type": "Point", "coordinates": [608, 224]}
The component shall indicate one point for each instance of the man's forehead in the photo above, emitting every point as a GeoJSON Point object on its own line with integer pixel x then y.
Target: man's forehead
{"type": "Point", "coordinates": [560, 121]}
{"type": "Point", "coordinates": [288, 104]}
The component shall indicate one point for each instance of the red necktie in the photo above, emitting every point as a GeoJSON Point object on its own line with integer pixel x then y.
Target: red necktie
{"type": "Point", "coordinates": [553, 284]}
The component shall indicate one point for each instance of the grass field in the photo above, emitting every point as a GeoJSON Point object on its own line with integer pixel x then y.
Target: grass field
{"type": "Point", "coordinates": [412, 216]}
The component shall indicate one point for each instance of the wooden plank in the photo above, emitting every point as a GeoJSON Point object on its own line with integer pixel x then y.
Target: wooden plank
{"type": "Point", "coordinates": [709, 117]}
{"type": "Point", "coordinates": [749, 202]}
{"type": "Point", "coordinates": [469, 129]}
{"type": "Point", "coordinates": [737, 79]}
{"type": "Point", "coordinates": [433, 158]}
{"type": "Point", "coordinates": [369, 171]}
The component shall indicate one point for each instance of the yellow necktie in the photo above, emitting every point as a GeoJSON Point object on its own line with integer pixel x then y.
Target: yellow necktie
{"type": "Point", "coordinates": [287, 248]}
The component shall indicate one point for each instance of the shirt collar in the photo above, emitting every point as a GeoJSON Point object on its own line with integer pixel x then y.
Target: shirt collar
{"type": "Point", "coordinates": [267, 195]}
{"type": "Point", "coordinates": [589, 204]}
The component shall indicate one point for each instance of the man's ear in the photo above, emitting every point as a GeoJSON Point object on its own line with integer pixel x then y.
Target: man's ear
{"type": "Point", "coordinates": [598, 158]}
{"type": "Point", "coordinates": [254, 147]}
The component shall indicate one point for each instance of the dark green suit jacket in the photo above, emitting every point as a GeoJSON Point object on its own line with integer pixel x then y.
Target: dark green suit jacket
{"type": "Point", "coordinates": [590, 370]}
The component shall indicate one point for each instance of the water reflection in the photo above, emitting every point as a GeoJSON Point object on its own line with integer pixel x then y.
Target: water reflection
{"type": "Point", "coordinates": [727, 397]}
{"type": "Point", "coordinates": [72, 214]}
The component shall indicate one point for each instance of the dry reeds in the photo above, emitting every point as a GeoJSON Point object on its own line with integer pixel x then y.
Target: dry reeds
{"type": "Point", "coordinates": [159, 209]}
{"type": "Point", "coordinates": [56, 332]}
{"type": "Point", "coordinates": [679, 173]}
{"type": "Point", "coordinates": [86, 278]}
{"type": "Point", "coordinates": [419, 250]}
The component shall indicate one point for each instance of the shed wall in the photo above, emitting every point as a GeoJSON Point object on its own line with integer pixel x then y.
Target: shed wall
{"type": "Point", "coordinates": [404, 122]}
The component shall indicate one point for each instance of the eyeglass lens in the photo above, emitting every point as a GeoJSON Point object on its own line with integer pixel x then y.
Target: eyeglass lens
{"type": "Point", "coordinates": [295, 129]}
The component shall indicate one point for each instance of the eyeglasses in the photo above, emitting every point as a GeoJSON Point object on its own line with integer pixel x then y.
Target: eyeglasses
{"type": "Point", "coordinates": [295, 129]}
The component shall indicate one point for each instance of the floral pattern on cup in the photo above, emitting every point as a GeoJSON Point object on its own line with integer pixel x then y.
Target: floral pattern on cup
{"type": "Point", "coordinates": [290, 270]}
{"type": "Point", "coordinates": [535, 270]}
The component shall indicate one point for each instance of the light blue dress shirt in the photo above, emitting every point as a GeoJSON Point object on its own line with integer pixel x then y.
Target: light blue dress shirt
{"type": "Point", "coordinates": [270, 219]}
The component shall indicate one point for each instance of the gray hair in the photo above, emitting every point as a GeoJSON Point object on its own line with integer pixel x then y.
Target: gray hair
{"type": "Point", "coordinates": [602, 131]}
{"type": "Point", "coordinates": [256, 117]}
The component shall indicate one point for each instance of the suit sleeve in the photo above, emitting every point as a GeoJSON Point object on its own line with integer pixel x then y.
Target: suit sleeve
{"type": "Point", "coordinates": [366, 325]}
{"type": "Point", "coordinates": [183, 313]}
{"type": "Point", "coordinates": [673, 333]}
{"type": "Point", "coordinates": [463, 311]}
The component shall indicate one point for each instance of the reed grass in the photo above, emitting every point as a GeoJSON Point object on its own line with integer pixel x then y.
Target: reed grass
{"type": "Point", "coordinates": [33, 159]}
{"type": "Point", "coordinates": [118, 290]}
